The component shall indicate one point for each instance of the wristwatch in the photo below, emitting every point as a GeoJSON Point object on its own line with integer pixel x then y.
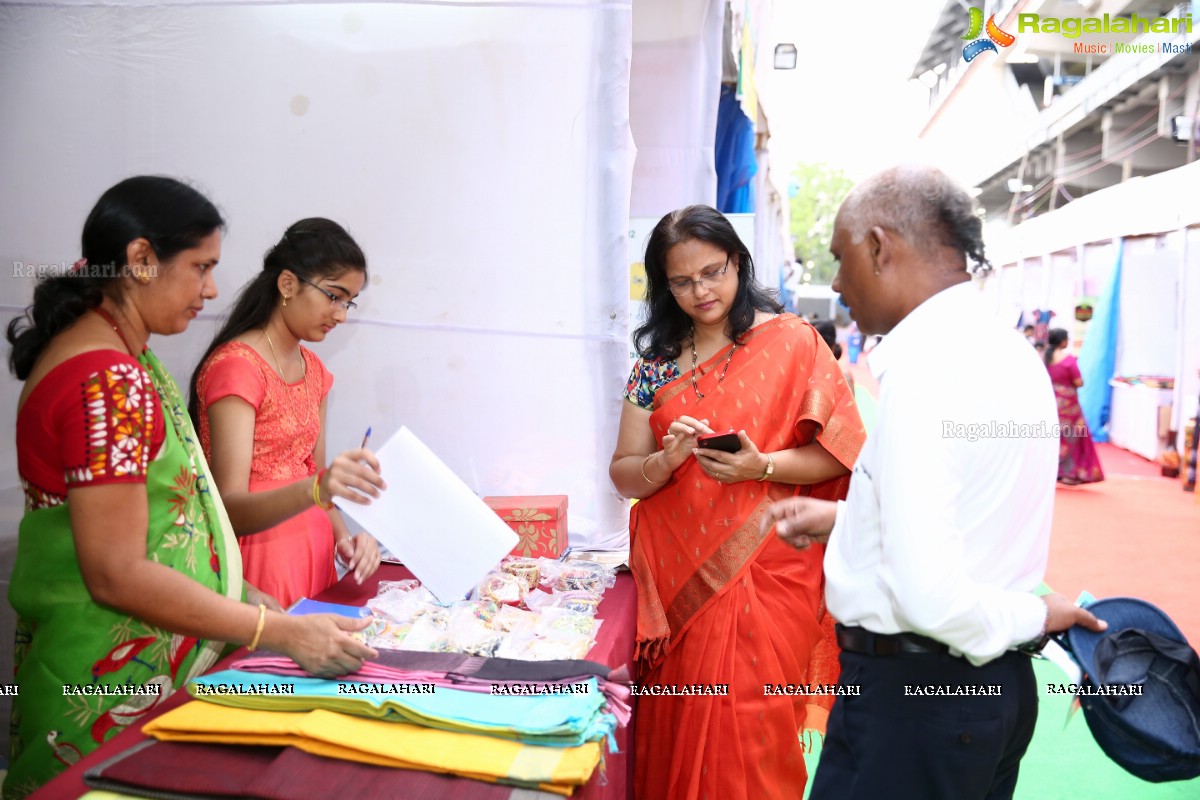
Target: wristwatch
{"type": "Point", "coordinates": [770, 467]}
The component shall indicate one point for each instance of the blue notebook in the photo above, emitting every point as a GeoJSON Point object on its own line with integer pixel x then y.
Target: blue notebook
{"type": "Point", "coordinates": [306, 606]}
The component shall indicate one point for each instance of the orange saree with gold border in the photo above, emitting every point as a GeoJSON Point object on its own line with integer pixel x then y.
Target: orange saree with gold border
{"type": "Point", "coordinates": [718, 602]}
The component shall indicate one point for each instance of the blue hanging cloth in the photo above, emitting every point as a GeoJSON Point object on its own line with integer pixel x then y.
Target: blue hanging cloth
{"type": "Point", "coordinates": [736, 163]}
{"type": "Point", "coordinates": [1098, 355]}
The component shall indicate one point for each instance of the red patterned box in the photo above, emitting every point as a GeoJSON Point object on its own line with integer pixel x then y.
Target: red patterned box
{"type": "Point", "coordinates": [540, 521]}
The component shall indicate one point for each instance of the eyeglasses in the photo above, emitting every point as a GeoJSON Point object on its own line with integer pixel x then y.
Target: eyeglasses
{"type": "Point", "coordinates": [346, 305]}
{"type": "Point", "coordinates": [709, 280]}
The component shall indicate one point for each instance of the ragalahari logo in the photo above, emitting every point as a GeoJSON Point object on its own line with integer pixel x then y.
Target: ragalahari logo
{"type": "Point", "coordinates": [995, 36]}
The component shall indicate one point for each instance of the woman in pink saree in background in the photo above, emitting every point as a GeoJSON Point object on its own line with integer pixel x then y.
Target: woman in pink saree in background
{"type": "Point", "coordinates": [1077, 459]}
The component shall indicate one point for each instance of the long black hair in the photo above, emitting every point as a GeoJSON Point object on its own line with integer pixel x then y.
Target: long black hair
{"type": "Point", "coordinates": [172, 216]}
{"type": "Point", "coordinates": [1054, 340]}
{"type": "Point", "coordinates": [667, 326]}
{"type": "Point", "coordinates": [311, 249]}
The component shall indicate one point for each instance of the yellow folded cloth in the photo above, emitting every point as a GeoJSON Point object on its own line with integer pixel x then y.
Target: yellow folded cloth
{"type": "Point", "coordinates": [388, 744]}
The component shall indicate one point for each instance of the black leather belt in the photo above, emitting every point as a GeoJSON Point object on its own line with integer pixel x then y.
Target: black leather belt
{"type": "Point", "coordinates": [861, 640]}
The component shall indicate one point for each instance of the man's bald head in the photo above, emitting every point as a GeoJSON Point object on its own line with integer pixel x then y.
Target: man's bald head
{"type": "Point", "coordinates": [933, 214]}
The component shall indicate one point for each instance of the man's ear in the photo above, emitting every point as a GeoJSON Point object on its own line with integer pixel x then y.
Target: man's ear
{"type": "Point", "coordinates": [882, 246]}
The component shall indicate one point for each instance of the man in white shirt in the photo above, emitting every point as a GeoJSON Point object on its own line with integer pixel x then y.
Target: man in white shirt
{"type": "Point", "coordinates": [943, 537]}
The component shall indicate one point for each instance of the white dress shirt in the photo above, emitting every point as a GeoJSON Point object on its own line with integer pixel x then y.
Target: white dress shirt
{"type": "Point", "coordinates": [946, 527]}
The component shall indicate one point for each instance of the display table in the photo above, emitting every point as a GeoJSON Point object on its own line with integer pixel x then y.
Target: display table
{"type": "Point", "coordinates": [614, 647]}
{"type": "Point", "coordinates": [1133, 421]}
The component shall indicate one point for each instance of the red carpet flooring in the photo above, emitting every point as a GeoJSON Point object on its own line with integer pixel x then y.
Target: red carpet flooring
{"type": "Point", "coordinates": [1134, 534]}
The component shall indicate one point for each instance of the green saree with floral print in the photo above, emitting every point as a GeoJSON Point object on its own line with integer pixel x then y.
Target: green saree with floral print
{"type": "Point", "coordinates": [86, 671]}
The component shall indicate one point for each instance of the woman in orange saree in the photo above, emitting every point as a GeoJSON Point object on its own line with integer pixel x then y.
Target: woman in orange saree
{"type": "Point", "coordinates": [720, 603]}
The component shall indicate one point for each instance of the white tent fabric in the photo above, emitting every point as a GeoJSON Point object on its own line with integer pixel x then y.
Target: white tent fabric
{"type": "Point", "coordinates": [479, 152]}
{"type": "Point", "coordinates": [674, 90]}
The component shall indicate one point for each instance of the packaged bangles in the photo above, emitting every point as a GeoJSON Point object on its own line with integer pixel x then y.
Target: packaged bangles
{"type": "Point", "coordinates": [525, 570]}
{"type": "Point", "coordinates": [576, 578]}
{"type": "Point", "coordinates": [501, 587]}
{"type": "Point", "coordinates": [580, 601]}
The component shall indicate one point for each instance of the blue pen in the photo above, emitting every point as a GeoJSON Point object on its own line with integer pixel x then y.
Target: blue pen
{"type": "Point", "coordinates": [366, 438]}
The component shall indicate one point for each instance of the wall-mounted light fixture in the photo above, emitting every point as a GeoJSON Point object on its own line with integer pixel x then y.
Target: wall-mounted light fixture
{"type": "Point", "coordinates": [785, 56]}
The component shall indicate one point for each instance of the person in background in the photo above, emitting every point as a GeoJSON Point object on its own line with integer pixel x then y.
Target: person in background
{"type": "Point", "coordinates": [126, 570]}
{"type": "Point", "coordinates": [1030, 335]}
{"type": "Point", "coordinates": [933, 559]}
{"type": "Point", "coordinates": [828, 332]}
{"type": "Point", "coordinates": [1077, 459]}
{"type": "Point", "coordinates": [259, 399]}
{"type": "Point", "coordinates": [719, 602]}
{"type": "Point", "coordinates": [855, 342]}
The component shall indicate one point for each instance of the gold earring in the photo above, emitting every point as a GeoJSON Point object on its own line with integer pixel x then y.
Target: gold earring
{"type": "Point", "coordinates": [285, 299]}
{"type": "Point", "coordinates": [143, 278]}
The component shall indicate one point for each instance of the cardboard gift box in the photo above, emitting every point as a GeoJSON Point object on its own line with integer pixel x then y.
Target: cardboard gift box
{"type": "Point", "coordinates": [540, 521]}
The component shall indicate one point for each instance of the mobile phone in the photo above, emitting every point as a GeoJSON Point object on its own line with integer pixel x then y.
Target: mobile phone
{"type": "Point", "coordinates": [727, 442]}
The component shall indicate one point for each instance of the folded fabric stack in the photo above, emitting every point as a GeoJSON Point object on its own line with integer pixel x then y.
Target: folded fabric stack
{"type": "Point", "coordinates": [543, 732]}
{"type": "Point", "coordinates": [564, 716]}
{"type": "Point", "coordinates": [468, 673]}
{"type": "Point", "coordinates": [388, 744]}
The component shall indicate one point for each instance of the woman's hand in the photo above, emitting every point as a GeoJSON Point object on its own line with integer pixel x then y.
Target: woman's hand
{"type": "Point", "coordinates": [255, 596]}
{"type": "Point", "coordinates": [680, 441]}
{"type": "Point", "coordinates": [360, 554]}
{"type": "Point", "coordinates": [747, 464]}
{"type": "Point", "coordinates": [320, 643]}
{"type": "Point", "coordinates": [354, 476]}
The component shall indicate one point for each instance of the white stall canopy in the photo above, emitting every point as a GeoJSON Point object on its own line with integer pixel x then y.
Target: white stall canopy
{"type": "Point", "coordinates": [479, 152]}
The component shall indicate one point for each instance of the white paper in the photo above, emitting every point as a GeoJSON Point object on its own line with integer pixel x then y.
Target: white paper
{"type": "Point", "coordinates": [431, 520]}
{"type": "Point", "coordinates": [1056, 655]}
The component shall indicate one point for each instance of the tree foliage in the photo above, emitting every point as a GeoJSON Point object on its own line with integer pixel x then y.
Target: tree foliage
{"type": "Point", "coordinates": [816, 192]}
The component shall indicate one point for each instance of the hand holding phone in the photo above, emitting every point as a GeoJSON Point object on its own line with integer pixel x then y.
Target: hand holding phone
{"type": "Point", "coordinates": [726, 442]}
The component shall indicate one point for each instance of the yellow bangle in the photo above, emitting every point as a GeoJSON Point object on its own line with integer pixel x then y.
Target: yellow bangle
{"type": "Point", "coordinates": [262, 620]}
{"type": "Point", "coordinates": [646, 461]}
{"type": "Point", "coordinates": [317, 491]}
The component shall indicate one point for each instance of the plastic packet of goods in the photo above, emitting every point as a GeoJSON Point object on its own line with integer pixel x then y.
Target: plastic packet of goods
{"type": "Point", "coordinates": [390, 637]}
{"type": "Point", "coordinates": [482, 611]}
{"type": "Point", "coordinates": [376, 625]}
{"type": "Point", "coordinates": [560, 621]}
{"type": "Point", "coordinates": [511, 618]}
{"type": "Point", "coordinates": [526, 570]}
{"type": "Point", "coordinates": [537, 600]}
{"type": "Point", "coordinates": [406, 585]}
{"type": "Point", "coordinates": [428, 636]}
{"type": "Point", "coordinates": [471, 630]}
{"type": "Point", "coordinates": [579, 601]}
{"type": "Point", "coordinates": [528, 646]}
{"type": "Point", "coordinates": [500, 587]}
{"type": "Point", "coordinates": [583, 576]}
{"type": "Point", "coordinates": [402, 605]}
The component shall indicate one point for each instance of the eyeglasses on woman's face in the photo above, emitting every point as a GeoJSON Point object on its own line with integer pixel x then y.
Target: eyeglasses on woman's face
{"type": "Point", "coordinates": [334, 300]}
{"type": "Point", "coordinates": [709, 280]}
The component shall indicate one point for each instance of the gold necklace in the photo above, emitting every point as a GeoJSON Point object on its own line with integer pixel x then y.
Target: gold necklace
{"type": "Point", "coordinates": [720, 377]}
{"type": "Point", "coordinates": [273, 355]}
{"type": "Point", "coordinates": [305, 401]}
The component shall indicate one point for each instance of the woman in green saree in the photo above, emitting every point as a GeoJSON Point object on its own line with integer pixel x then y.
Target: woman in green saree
{"type": "Point", "coordinates": [127, 581]}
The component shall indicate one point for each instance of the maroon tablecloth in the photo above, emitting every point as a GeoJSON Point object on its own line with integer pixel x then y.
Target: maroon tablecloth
{"type": "Point", "coordinates": [614, 647]}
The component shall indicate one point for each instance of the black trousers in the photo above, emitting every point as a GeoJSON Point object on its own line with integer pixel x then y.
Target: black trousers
{"type": "Point", "coordinates": [920, 728]}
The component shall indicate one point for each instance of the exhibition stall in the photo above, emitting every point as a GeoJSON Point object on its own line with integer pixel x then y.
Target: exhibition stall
{"type": "Point", "coordinates": [1120, 270]}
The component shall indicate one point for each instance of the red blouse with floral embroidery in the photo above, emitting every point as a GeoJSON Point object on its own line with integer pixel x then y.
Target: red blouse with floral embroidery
{"type": "Point", "coordinates": [99, 422]}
